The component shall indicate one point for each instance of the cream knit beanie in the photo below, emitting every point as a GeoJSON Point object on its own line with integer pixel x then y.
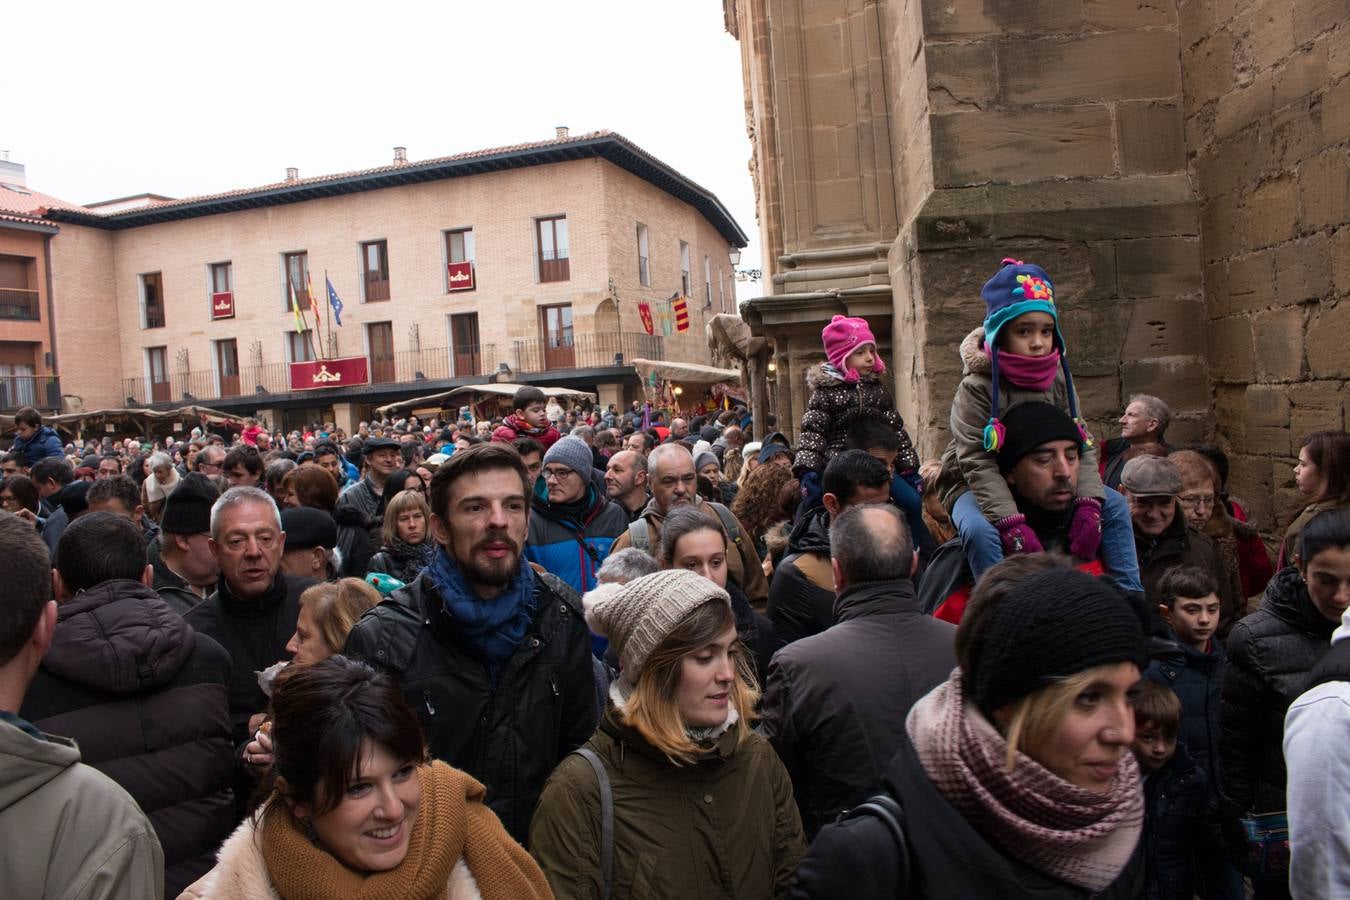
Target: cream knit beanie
{"type": "Point", "coordinates": [642, 613]}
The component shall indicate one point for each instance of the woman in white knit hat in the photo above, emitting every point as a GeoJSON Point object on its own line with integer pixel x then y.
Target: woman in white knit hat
{"type": "Point", "coordinates": [699, 804]}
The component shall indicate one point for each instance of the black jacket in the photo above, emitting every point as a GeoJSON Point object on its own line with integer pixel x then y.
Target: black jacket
{"type": "Point", "coordinates": [144, 697]}
{"type": "Point", "coordinates": [255, 634]}
{"type": "Point", "coordinates": [391, 562]}
{"type": "Point", "coordinates": [1182, 545]}
{"type": "Point", "coordinates": [835, 703]}
{"type": "Point", "coordinates": [1181, 828]}
{"type": "Point", "coordinates": [1197, 680]}
{"type": "Point", "coordinates": [1271, 655]}
{"type": "Point", "coordinates": [353, 540]}
{"type": "Point", "coordinates": [798, 605]}
{"type": "Point", "coordinates": [169, 585]}
{"type": "Point", "coordinates": [509, 735]}
{"type": "Point", "coordinates": [948, 858]}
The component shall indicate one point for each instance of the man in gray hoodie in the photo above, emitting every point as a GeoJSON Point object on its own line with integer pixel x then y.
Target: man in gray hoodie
{"type": "Point", "coordinates": [70, 831]}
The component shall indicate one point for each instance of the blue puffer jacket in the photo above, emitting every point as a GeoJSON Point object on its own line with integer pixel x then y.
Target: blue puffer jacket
{"type": "Point", "coordinates": [1197, 680]}
{"type": "Point", "coordinates": [44, 443]}
{"type": "Point", "coordinates": [572, 540]}
{"type": "Point", "coordinates": [1181, 828]}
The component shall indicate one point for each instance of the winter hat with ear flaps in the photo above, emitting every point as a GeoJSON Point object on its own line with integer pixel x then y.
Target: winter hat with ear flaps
{"type": "Point", "coordinates": [841, 337]}
{"type": "Point", "coordinates": [1016, 289]}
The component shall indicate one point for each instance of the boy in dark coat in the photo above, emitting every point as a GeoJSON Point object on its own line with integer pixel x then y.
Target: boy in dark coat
{"type": "Point", "coordinates": [1181, 825]}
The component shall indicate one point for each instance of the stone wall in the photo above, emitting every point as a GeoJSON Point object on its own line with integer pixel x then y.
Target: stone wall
{"type": "Point", "coordinates": [1267, 106]}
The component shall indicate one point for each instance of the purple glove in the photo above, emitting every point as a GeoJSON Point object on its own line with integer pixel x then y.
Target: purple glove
{"type": "Point", "coordinates": [1017, 535]}
{"type": "Point", "coordinates": [1085, 532]}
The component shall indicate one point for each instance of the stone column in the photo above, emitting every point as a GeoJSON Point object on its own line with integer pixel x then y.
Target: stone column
{"type": "Point", "coordinates": [271, 418]}
{"type": "Point", "coordinates": [610, 392]}
{"type": "Point", "coordinates": [345, 417]}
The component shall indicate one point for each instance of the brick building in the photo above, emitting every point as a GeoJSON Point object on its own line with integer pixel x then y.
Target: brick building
{"type": "Point", "coordinates": [1180, 168]}
{"type": "Point", "coordinates": [524, 263]}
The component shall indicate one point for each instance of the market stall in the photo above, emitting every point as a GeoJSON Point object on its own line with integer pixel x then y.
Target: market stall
{"type": "Point", "coordinates": [120, 423]}
{"type": "Point", "coordinates": [486, 401]}
{"type": "Point", "coordinates": [688, 387]}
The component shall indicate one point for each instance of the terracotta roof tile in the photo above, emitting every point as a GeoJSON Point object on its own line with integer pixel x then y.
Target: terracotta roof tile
{"type": "Point", "coordinates": [25, 200]}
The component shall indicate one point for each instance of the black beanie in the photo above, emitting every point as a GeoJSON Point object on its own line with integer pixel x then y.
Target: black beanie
{"type": "Point", "coordinates": [306, 527]}
{"type": "Point", "coordinates": [73, 500]}
{"type": "Point", "coordinates": [1029, 425]}
{"type": "Point", "coordinates": [1048, 627]}
{"type": "Point", "coordinates": [188, 509]}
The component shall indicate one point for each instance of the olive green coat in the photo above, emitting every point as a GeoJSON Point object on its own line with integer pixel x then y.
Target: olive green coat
{"type": "Point", "coordinates": [726, 826]}
{"type": "Point", "coordinates": [966, 465]}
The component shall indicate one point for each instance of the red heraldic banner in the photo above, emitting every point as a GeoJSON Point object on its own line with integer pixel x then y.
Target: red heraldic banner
{"type": "Point", "coordinates": [645, 311]}
{"type": "Point", "coordinates": [222, 305]}
{"type": "Point", "coordinates": [329, 373]}
{"type": "Point", "coordinates": [680, 306]}
{"type": "Point", "coordinates": [459, 276]}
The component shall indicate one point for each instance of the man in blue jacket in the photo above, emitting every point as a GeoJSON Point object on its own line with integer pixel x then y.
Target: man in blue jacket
{"type": "Point", "coordinates": [573, 523]}
{"type": "Point", "coordinates": [35, 440]}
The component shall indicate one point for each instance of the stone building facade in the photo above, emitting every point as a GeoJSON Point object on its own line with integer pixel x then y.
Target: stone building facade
{"type": "Point", "coordinates": [166, 301]}
{"type": "Point", "coordinates": [1178, 167]}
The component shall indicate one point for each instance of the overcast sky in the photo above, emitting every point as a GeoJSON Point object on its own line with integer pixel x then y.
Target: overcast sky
{"type": "Point", "coordinates": [105, 100]}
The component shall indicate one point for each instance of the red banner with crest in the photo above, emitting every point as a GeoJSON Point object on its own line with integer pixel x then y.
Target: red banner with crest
{"type": "Point", "coordinates": [329, 373]}
{"type": "Point", "coordinates": [645, 311]}
{"type": "Point", "coordinates": [222, 305]}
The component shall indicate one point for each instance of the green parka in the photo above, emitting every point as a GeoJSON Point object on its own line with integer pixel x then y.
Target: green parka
{"type": "Point", "coordinates": [725, 826]}
{"type": "Point", "coordinates": [966, 465]}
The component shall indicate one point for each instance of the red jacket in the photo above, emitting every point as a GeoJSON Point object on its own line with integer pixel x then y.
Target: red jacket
{"type": "Point", "coordinates": [520, 428]}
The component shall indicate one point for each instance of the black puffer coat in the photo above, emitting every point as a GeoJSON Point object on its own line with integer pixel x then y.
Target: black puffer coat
{"type": "Point", "coordinates": [1271, 655]}
{"type": "Point", "coordinates": [948, 858]}
{"type": "Point", "coordinates": [835, 407]}
{"type": "Point", "coordinates": [509, 735]}
{"type": "Point", "coordinates": [1181, 828]}
{"type": "Point", "coordinates": [353, 540]}
{"type": "Point", "coordinates": [144, 697]}
{"type": "Point", "coordinates": [404, 567]}
{"type": "Point", "coordinates": [801, 595]}
{"type": "Point", "coordinates": [1197, 680]}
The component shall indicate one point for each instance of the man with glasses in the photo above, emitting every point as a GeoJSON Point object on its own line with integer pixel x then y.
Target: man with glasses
{"type": "Point", "coordinates": [210, 461]}
{"type": "Point", "coordinates": [1162, 537]}
{"type": "Point", "coordinates": [574, 523]}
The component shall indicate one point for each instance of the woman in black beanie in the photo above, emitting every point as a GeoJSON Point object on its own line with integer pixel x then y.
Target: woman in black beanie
{"type": "Point", "coordinates": [1016, 778]}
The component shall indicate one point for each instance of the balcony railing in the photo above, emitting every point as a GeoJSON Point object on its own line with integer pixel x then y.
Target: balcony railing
{"type": "Point", "coordinates": [41, 391]}
{"type": "Point", "coordinates": [585, 351]}
{"type": "Point", "coordinates": [18, 303]}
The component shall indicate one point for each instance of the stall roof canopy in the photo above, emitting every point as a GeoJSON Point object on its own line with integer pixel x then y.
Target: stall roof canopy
{"type": "Point", "coordinates": [468, 391]}
{"type": "Point", "coordinates": [687, 372]}
{"type": "Point", "coordinates": [143, 420]}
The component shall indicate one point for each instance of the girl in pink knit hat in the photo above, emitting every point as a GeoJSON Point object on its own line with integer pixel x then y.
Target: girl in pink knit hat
{"type": "Point", "coordinates": [844, 391]}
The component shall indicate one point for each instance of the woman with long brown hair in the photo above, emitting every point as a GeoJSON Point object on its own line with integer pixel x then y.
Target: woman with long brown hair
{"type": "Point", "coordinates": [758, 504]}
{"type": "Point", "coordinates": [1323, 476]}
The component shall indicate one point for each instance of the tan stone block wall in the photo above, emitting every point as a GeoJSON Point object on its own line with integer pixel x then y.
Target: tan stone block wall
{"type": "Point", "coordinates": [1267, 103]}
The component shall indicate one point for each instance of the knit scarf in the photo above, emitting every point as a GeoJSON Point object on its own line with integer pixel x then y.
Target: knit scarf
{"type": "Point", "coordinates": [451, 823]}
{"type": "Point", "coordinates": [1073, 834]}
{"type": "Point", "coordinates": [1031, 373]}
{"type": "Point", "coordinates": [419, 553]}
{"type": "Point", "coordinates": [497, 626]}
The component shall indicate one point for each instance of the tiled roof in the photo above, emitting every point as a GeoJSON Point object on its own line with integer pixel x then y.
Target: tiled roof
{"type": "Point", "coordinates": [25, 200]}
{"type": "Point", "coordinates": [603, 144]}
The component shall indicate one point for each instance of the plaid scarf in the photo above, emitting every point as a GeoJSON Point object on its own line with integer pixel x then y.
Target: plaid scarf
{"type": "Point", "coordinates": [1073, 834]}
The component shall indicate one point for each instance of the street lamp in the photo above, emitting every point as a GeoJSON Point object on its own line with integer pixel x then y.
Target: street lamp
{"type": "Point", "coordinates": [735, 256]}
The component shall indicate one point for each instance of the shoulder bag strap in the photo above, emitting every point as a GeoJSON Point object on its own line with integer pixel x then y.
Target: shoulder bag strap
{"type": "Point", "coordinates": [640, 536]}
{"type": "Point", "coordinates": [606, 818]}
{"type": "Point", "coordinates": [729, 523]}
{"type": "Point", "coordinates": [884, 807]}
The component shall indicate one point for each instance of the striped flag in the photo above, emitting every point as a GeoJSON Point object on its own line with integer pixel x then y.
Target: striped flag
{"type": "Point", "coordinates": [680, 306]}
{"type": "Point", "coordinates": [300, 325]}
{"type": "Point", "coordinates": [313, 301]}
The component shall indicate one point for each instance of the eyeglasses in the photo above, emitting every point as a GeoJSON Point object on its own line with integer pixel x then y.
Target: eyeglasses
{"type": "Point", "coordinates": [1196, 501]}
{"type": "Point", "coordinates": [557, 474]}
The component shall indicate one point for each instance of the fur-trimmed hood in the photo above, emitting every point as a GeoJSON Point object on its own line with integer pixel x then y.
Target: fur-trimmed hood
{"type": "Point", "coordinates": [973, 358]}
{"type": "Point", "coordinates": [824, 375]}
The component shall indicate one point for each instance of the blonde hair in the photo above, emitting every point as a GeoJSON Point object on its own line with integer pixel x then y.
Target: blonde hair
{"type": "Point", "coordinates": [1032, 720]}
{"type": "Point", "coordinates": [401, 503]}
{"type": "Point", "coordinates": [653, 711]}
{"type": "Point", "coordinates": [336, 605]}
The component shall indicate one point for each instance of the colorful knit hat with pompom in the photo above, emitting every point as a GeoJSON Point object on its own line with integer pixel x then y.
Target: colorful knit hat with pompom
{"type": "Point", "coordinates": [844, 335]}
{"type": "Point", "coordinates": [1016, 289]}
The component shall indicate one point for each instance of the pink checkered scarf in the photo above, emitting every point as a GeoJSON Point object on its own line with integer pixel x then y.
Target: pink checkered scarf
{"type": "Point", "coordinates": [1073, 834]}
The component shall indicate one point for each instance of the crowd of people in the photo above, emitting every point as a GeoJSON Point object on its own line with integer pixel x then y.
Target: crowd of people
{"type": "Point", "coordinates": [592, 653]}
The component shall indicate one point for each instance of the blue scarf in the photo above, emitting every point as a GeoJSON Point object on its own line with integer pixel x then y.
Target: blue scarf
{"type": "Point", "coordinates": [497, 626]}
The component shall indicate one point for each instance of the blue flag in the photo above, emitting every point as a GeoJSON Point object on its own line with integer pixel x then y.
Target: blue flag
{"type": "Point", "coordinates": [334, 300]}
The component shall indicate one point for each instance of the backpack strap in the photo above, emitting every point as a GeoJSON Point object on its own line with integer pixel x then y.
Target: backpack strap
{"type": "Point", "coordinates": [885, 807]}
{"type": "Point", "coordinates": [729, 523]}
{"type": "Point", "coordinates": [640, 535]}
{"type": "Point", "coordinates": [606, 818]}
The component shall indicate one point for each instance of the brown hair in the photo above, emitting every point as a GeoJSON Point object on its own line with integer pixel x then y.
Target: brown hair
{"type": "Point", "coordinates": [757, 503]}
{"type": "Point", "coordinates": [684, 520]}
{"type": "Point", "coordinates": [1155, 704]}
{"type": "Point", "coordinates": [1196, 465]}
{"type": "Point", "coordinates": [314, 486]}
{"type": "Point", "coordinates": [653, 711]}
{"type": "Point", "coordinates": [1190, 582]}
{"type": "Point", "coordinates": [401, 503]}
{"type": "Point", "coordinates": [472, 460]}
{"type": "Point", "coordinates": [336, 605]}
{"type": "Point", "coordinates": [1330, 452]}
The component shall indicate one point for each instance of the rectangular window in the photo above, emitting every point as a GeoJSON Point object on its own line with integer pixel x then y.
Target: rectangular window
{"type": "Point", "coordinates": [644, 273]}
{"type": "Point", "coordinates": [686, 284]}
{"type": "Point", "coordinates": [465, 346]}
{"type": "Point", "coordinates": [555, 322]}
{"type": "Point", "coordinates": [554, 263]}
{"type": "Point", "coordinates": [222, 290]}
{"type": "Point", "coordinates": [460, 271]}
{"type": "Point", "coordinates": [375, 270]}
{"type": "Point", "coordinates": [297, 277]}
{"type": "Point", "coordinates": [227, 367]}
{"type": "Point", "coordinates": [298, 347]}
{"type": "Point", "coordinates": [707, 282]}
{"type": "Point", "coordinates": [380, 336]}
{"type": "Point", "coordinates": [157, 367]}
{"type": "Point", "coordinates": [152, 300]}
{"type": "Point", "coordinates": [18, 289]}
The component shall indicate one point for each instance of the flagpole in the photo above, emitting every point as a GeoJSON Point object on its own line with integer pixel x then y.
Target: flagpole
{"type": "Point", "coordinates": [327, 306]}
